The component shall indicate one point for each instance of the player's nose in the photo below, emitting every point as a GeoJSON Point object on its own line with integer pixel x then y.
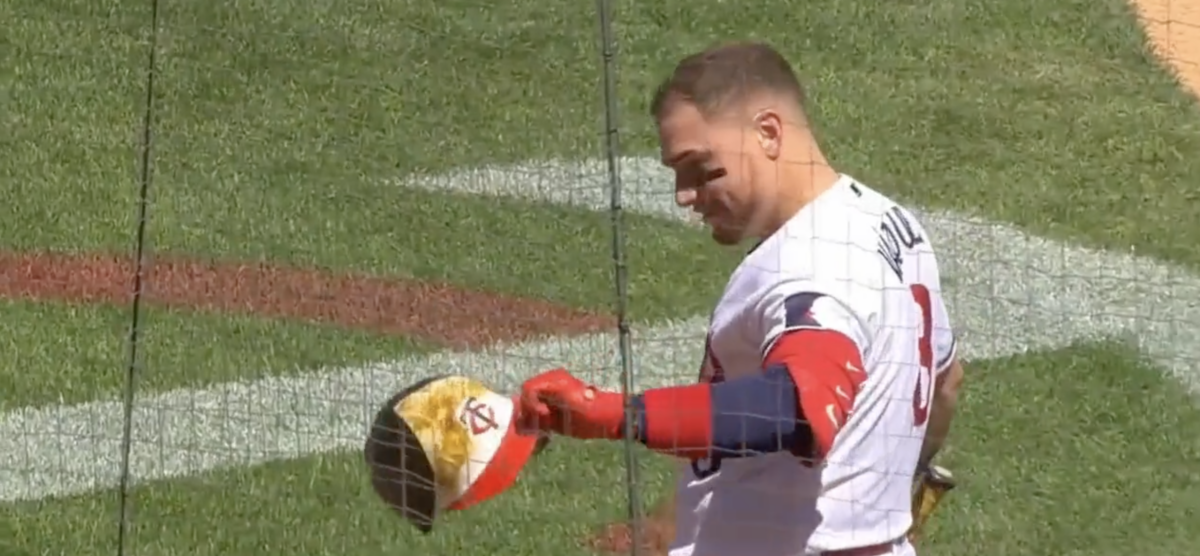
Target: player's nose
{"type": "Point", "coordinates": [685, 197]}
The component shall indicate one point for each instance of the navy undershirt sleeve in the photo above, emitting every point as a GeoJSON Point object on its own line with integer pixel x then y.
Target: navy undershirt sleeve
{"type": "Point", "coordinates": [752, 415]}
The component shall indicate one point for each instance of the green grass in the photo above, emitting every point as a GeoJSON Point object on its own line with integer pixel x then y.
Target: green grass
{"type": "Point", "coordinates": [279, 120]}
{"type": "Point", "coordinates": [324, 506]}
{"type": "Point", "coordinates": [540, 251]}
{"type": "Point", "coordinates": [1080, 451]}
{"type": "Point", "coordinates": [281, 138]}
{"type": "Point", "coordinates": [65, 354]}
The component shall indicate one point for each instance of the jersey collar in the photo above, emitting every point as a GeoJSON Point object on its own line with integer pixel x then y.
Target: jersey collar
{"type": "Point", "coordinates": [843, 186]}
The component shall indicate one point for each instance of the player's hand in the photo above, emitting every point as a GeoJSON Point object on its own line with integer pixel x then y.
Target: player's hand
{"type": "Point", "coordinates": [556, 401]}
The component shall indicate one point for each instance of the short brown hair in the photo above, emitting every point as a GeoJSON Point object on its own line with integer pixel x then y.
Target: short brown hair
{"type": "Point", "coordinates": [727, 73]}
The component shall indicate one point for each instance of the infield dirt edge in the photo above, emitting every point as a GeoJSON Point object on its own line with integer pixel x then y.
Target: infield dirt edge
{"type": "Point", "coordinates": [444, 314]}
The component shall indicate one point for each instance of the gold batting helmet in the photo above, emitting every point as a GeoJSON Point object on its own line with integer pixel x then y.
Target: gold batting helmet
{"type": "Point", "coordinates": [445, 443]}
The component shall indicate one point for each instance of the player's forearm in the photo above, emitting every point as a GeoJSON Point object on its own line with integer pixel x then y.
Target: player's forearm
{"type": "Point", "coordinates": [796, 404]}
{"type": "Point", "coordinates": [736, 418]}
{"type": "Point", "coordinates": [941, 413]}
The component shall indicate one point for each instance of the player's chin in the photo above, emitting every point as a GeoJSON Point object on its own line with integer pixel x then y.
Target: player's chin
{"type": "Point", "coordinates": [725, 235]}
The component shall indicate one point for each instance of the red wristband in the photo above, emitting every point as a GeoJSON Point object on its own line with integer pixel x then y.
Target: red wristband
{"type": "Point", "coordinates": [678, 420]}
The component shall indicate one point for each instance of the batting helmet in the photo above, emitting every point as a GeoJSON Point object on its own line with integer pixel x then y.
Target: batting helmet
{"type": "Point", "coordinates": [445, 443]}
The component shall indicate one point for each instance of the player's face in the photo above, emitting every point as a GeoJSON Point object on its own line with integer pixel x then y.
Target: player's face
{"type": "Point", "coordinates": [714, 170]}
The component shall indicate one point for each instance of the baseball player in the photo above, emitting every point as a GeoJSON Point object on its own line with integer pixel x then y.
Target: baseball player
{"type": "Point", "coordinates": [816, 403]}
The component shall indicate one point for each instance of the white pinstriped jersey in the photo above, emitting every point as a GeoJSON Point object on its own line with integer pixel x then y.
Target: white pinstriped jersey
{"type": "Point", "coordinates": [855, 262]}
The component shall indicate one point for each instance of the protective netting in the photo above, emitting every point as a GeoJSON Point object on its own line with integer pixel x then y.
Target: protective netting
{"type": "Point", "coordinates": [331, 201]}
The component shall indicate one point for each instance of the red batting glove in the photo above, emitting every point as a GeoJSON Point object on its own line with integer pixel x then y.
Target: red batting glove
{"type": "Point", "coordinates": [556, 401]}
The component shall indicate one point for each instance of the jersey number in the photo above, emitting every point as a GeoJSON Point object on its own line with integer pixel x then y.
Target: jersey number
{"type": "Point", "coordinates": [923, 392]}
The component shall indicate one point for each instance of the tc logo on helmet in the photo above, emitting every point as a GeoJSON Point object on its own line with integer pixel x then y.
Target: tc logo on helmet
{"type": "Point", "coordinates": [478, 416]}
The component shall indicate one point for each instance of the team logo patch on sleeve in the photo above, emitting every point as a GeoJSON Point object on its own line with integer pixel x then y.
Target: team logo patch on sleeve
{"type": "Point", "coordinates": [798, 309]}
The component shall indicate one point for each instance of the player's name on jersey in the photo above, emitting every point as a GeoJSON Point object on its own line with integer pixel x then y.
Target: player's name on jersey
{"type": "Point", "coordinates": [897, 233]}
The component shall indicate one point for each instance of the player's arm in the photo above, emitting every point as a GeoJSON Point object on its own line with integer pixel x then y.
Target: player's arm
{"type": "Point", "coordinates": [941, 412]}
{"type": "Point", "coordinates": [810, 375]}
{"type": "Point", "coordinates": [949, 373]}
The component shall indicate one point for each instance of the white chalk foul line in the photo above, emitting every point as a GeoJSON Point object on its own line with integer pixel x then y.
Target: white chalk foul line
{"type": "Point", "coordinates": [55, 451]}
{"type": "Point", "coordinates": [1011, 293]}
{"type": "Point", "coordinates": [59, 451]}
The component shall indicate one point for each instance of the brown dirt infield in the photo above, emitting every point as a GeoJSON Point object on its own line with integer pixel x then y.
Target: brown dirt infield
{"type": "Point", "coordinates": [1173, 27]}
{"type": "Point", "coordinates": [447, 315]}
{"type": "Point", "coordinates": [655, 532]}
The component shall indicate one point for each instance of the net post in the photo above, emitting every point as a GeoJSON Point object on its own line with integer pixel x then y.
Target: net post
{"type": "Point", "coordinates": [608, 48]}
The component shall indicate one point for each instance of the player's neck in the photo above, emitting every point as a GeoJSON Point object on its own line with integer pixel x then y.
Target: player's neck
{"type": "Point", "coordinates": [800, 184]}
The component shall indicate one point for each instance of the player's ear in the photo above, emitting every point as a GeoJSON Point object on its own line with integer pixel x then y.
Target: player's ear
{"type": "Point", "coordinates": [769, 128]}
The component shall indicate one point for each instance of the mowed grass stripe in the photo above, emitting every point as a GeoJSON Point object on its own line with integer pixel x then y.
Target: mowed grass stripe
{"type": "Point", "coordinates": [1047, 446]}
{"type": "Point", "coordinates": [58, 354]}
